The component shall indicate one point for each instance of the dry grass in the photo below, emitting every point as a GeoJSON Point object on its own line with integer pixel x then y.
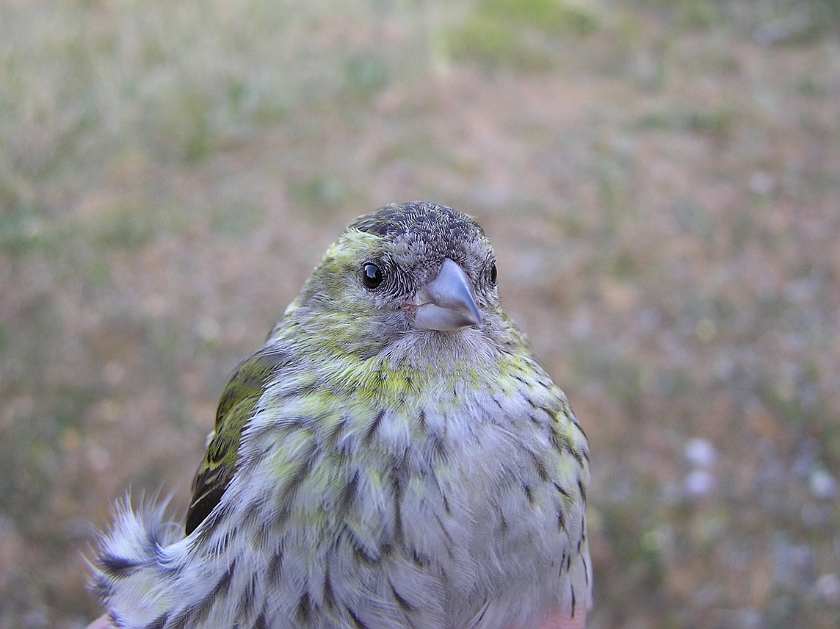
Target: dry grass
{"type": "Point", "coordinates": [661, 180]}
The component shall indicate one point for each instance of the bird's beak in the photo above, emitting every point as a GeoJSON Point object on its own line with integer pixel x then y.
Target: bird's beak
{"type": "Point", "coordinates": [446, 303]}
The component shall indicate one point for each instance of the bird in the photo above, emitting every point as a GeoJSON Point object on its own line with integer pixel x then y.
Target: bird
{"type": "Point", "coordinates": [394, 456]}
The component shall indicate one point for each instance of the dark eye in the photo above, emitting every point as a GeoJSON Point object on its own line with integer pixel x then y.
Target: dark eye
{"type": "Point", "coordinates": [371, 275]}
{"type": "Point", "coordinates": [493, 274]}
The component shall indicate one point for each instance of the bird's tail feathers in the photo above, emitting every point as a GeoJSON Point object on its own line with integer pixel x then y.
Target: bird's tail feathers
{"type": "Point", "coordinates": [130, 559]}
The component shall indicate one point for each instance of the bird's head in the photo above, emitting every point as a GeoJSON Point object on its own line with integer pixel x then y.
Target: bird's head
{"type": "Point", "coordinates": [414, 269]}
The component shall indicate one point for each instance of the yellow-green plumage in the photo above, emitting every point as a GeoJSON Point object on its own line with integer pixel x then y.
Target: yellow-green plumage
{"type": "Point", "coordinates": [235, 409]}
{"type": "Point", "coordinates": [393, 457]}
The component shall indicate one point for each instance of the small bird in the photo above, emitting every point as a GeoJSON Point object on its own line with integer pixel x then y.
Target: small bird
{"type": "Point", "coordinates": [393, 457]}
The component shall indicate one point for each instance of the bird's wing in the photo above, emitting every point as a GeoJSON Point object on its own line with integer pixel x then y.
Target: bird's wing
{"type": "Point", "coordinates": [236, 407]}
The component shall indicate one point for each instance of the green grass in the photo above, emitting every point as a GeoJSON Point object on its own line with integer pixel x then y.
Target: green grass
{"type": "Point", "coordinates": [502, 31]}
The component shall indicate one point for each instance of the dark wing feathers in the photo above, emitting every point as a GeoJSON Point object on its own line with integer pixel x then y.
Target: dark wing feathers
{"type": "Point", "coordinates": [236, 407]}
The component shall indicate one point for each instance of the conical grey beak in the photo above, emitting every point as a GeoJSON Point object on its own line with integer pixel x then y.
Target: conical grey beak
{"type": "Point", "coordinates": [446, 303]}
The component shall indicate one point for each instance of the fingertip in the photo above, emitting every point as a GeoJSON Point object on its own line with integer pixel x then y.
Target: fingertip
{"type": "Point", "coordinates": [561, 621]}
{"type": "Point", "coordinates": [103, 622]}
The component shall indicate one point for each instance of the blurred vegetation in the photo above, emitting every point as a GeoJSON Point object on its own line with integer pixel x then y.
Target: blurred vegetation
{"type": "Point", "coordinates": [516, 33]}
{"type": "Point", "coordinates": [661, 179]}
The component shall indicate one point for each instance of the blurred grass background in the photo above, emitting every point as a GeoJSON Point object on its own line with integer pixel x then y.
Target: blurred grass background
{"type": "Point", "coordinates": [661, 179]}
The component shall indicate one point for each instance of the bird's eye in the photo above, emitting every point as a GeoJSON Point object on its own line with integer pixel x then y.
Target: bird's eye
{"type": "Point", "coordinates": [493, 274]}
{"type": "Point", "coordinates": [371, 275]}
